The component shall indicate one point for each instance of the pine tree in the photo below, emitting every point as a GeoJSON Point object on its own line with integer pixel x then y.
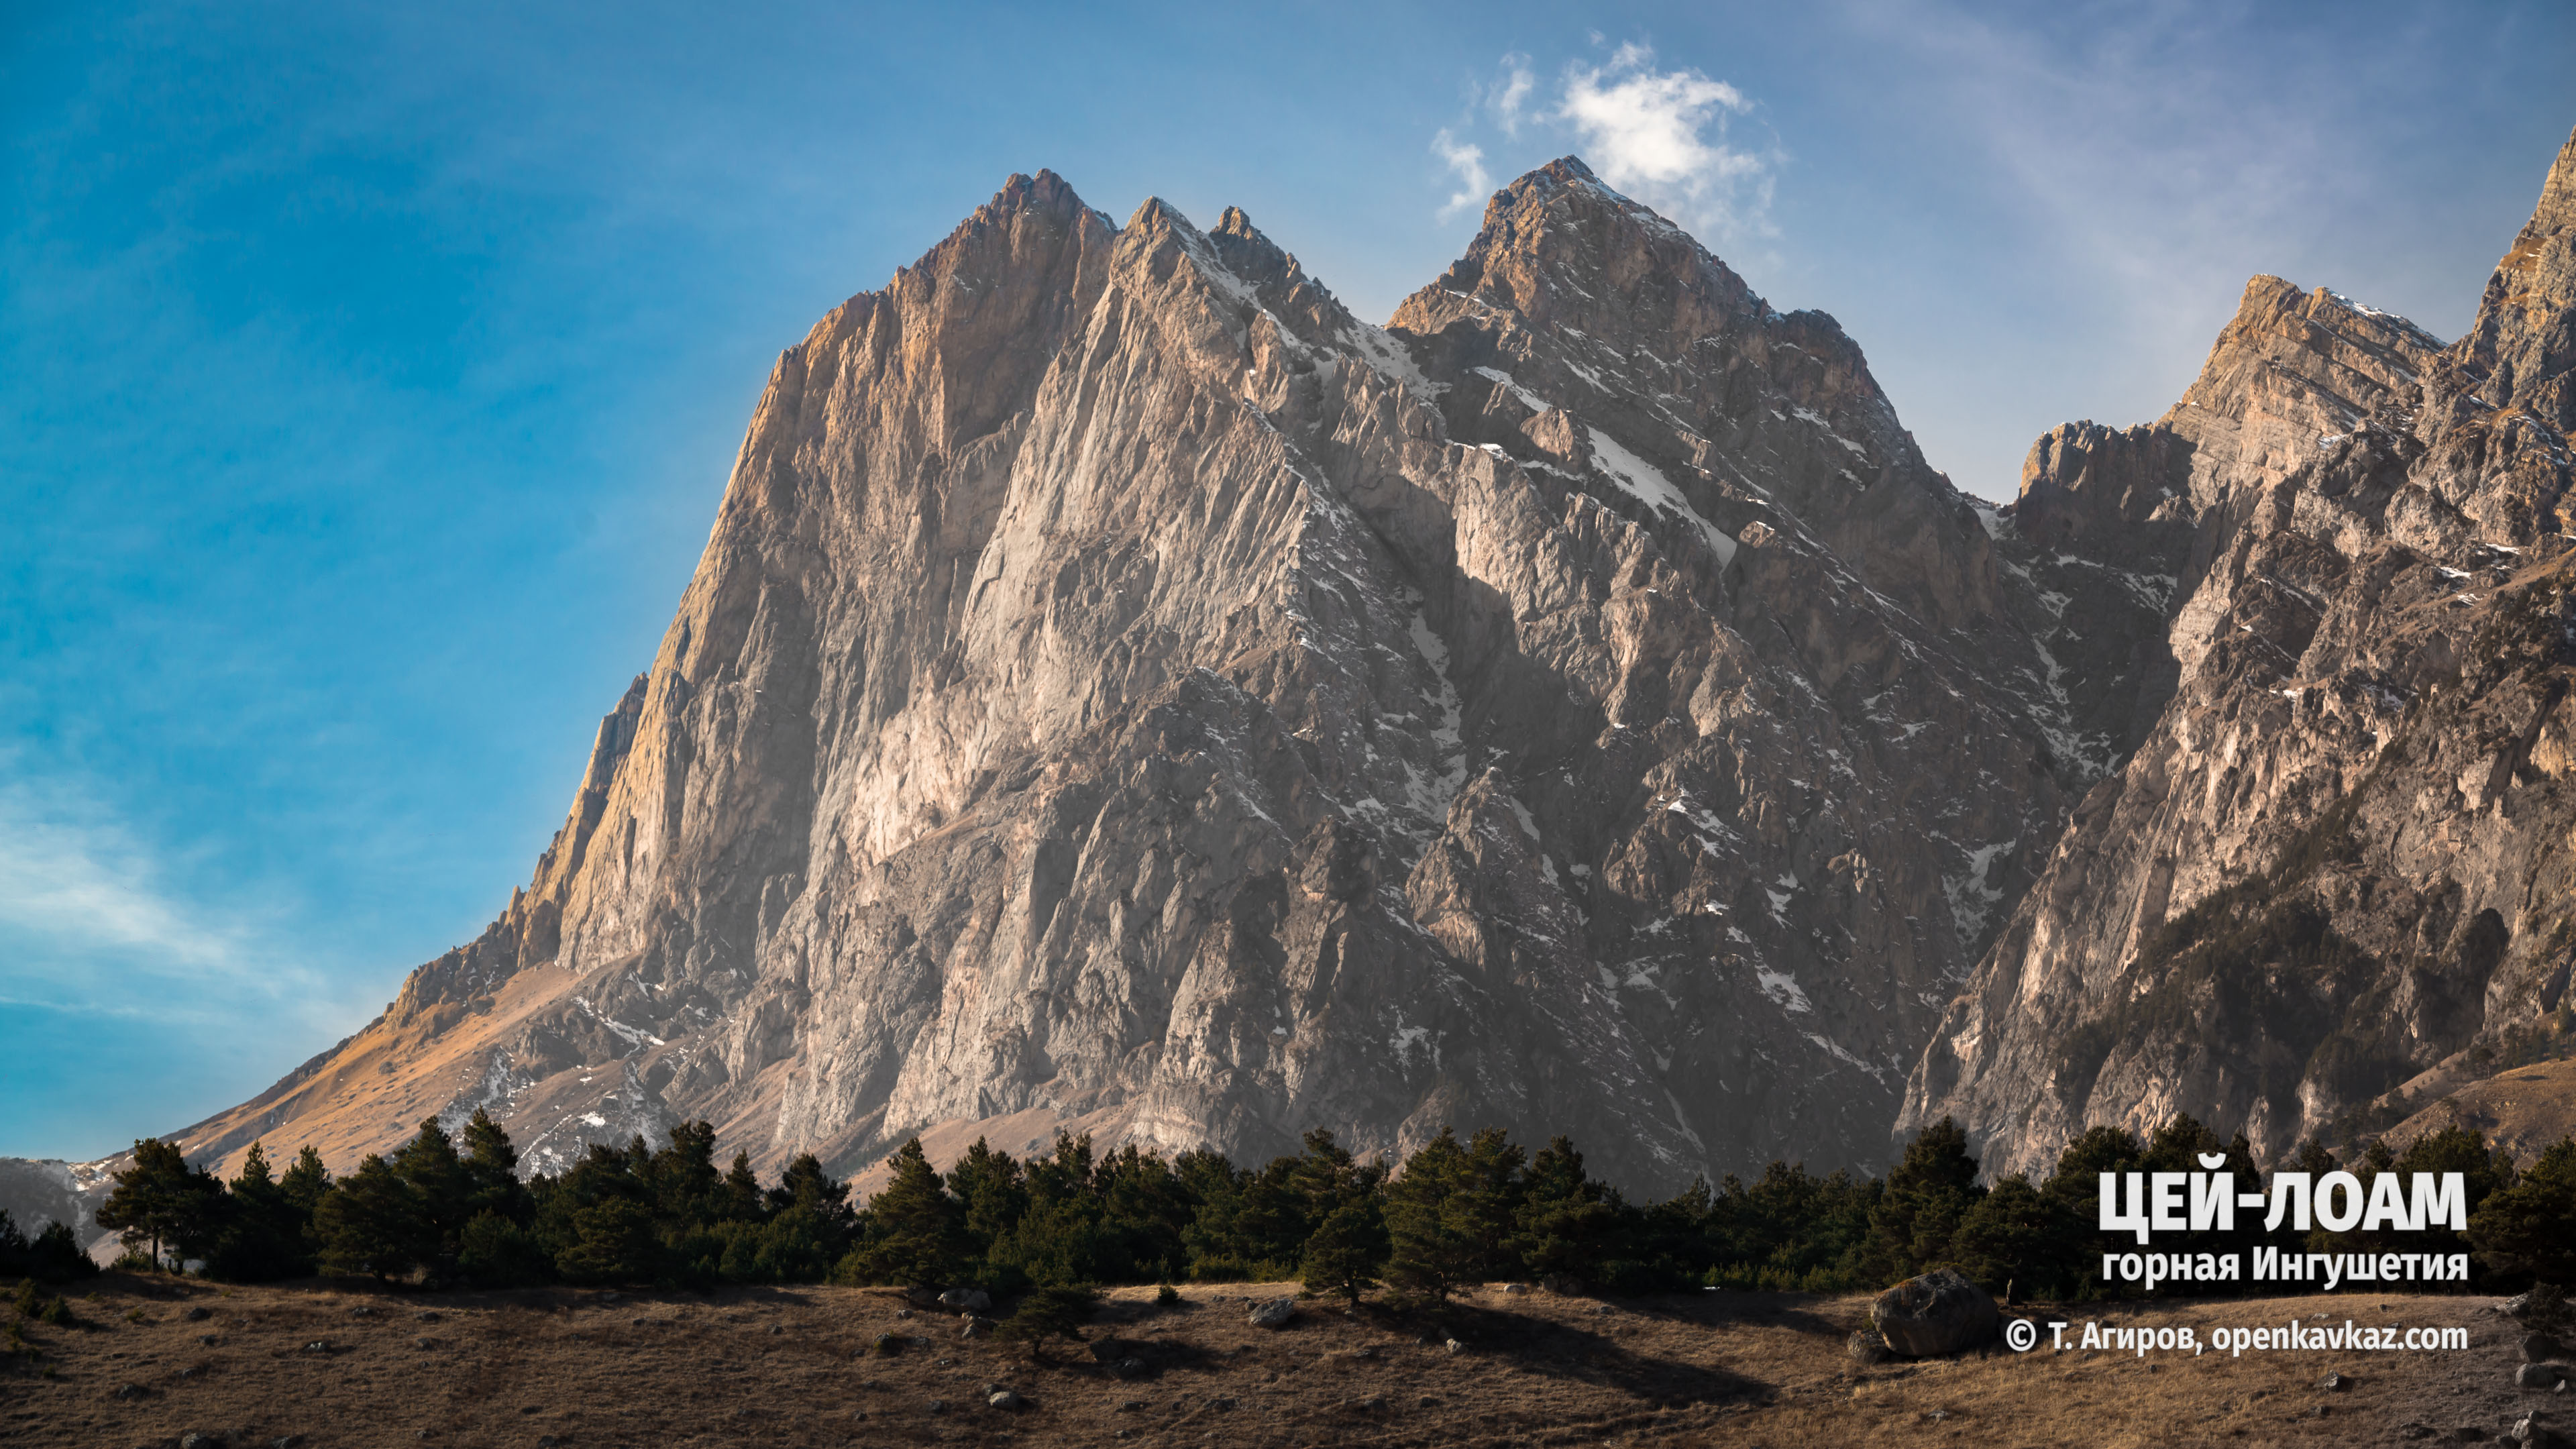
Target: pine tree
{"type": "Point", "coordinates": [263, 1232]}
{"type": "Point", "coordinates": [613, 1242]}
{"type": "Point", "coordinates": [492, 1182]}
{"type": "Point", "coordinates": [370, 1223]}
{"type": "Point", "coordinates": [917, 1233]}
{"type": "Point", "coordinates": [2530, 1227]}
{"type": "Point", "coordinates": [1345, 1254]}
{"type": "Point", "coordinates": [742, 1200]}
{"type": "Point", "coordinates": [442, 1193]}
{"type": "Point", "coordinates": [162, 1203]}
{"type": "Point", "coordinates": [1928, 1194]}
{"type": "Point", "coordinates": [1568, 1224]}
{"type": "Point", "coordinates": [1449, 1214]}
{"type": "Point", "coordinates": [988, 1185]}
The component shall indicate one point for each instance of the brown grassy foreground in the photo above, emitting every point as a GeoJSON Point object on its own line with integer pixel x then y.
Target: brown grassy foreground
{"type": "Point", "coordinates": [787, 1367]}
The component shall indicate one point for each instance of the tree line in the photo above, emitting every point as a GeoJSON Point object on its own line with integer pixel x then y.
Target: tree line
{"type": "Point", "coordinates": [451, 1209]}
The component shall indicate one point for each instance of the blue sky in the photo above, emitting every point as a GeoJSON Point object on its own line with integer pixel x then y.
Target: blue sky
{"type": "Point", "coordinates": [369, 375]}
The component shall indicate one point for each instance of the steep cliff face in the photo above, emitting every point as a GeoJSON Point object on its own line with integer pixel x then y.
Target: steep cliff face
{"type": "Point", "coordinates": [2327, 886]}
{"type": "Point", "coordinates": [1123, 691]}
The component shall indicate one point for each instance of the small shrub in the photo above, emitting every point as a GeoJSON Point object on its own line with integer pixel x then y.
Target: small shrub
{"type": "Point", "coordinates": [37, 1307]}
{"type": "Point", "coordinates": [1055, 1312]}
{"type": "Point", "coordinates": [1166, 1295]}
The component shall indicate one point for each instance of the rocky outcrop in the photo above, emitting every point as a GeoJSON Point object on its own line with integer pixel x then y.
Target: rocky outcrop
{"type": "Point", "coordinates": [2327, 880]}
{"type": "Point", "coordinates": [1934, 1314]}
{"type": "Point", "coordinates": [1124, 692]}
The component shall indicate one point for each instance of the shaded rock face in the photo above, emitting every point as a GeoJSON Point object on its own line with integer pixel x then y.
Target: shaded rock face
{"type": "Point", "coordinates": [2326, 886]}
{"type": "Point", "coordinates": [1124, 692]}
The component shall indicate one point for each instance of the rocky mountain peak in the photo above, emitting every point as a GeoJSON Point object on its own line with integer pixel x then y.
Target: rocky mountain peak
{"type": "Point", "coordinates": [1124, 692]}
{"type": "Point", "coordinates": [2310, 900]}
{"type": "Point", "coordinates": [2522, 349]}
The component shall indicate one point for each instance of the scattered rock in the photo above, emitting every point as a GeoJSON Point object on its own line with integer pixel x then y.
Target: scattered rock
{"type": "Point", "coordinates": [2539, 1348]}
{"type": "Point", "coordinates": [1563, 1285]}
{"type": "Point", "coordinates": [198, 1315]}
{"type": "Point", "coordinates": [2540, 1376]}
{"type": "Point", "coordinates": [362, 1311]}
{"type": "Point", "coordinates": [1866, 1346]}
{"type": "Point", "coordinates": [423, 1342]}
{"type": "Point", "coordinates": [319, 1345]}
{"type": "Point", "coordinates": [1272, 1312]}
{"type": "Point", "coordinates": [1937, 1313]}
{"type": "Point", "coordinates": [193, 1371]}
{"type": "Point", "coordinates": [286, 1441]}
{"type": "Point", "coordinates": [966, 1300]}
{"type": "Point", "coordinates": [777, 1328]}
{"type": "Point", "coordinates": [2332, 1383]}
{"type": "Point", "coordinates": [943, 1363]}
{"type": "Point", "coordinates": [1453, 1346]}
{"type": "Point", "coordinates": [194, 1440]}
{"type": "Point", "coordinates": [1222, 1406]}
{"type": "Point", "coordinates": [1430, 1401]}
{"type": "Point", "coordinates": [939, 1406]}
{"type": "Point", "coordinates": [1516, 1288]}
{"type": "Point", "coordinates": [1129, 1368]}
{"type": "Point", "coordinates": [1003, 1400]}
{"type": "Point", "coordinates": [131, 1392]}
{"type": "Point", "coordinates": [974, 1327]}
{"type": "Point", "coordinates": [887, 1345]}
{"type": "Point", "coordinates": [903, 1313]}
{"type": "Point", "coordinates": [207, 1339]}
{"type": "Point", "coordinates": [1935, 1416]}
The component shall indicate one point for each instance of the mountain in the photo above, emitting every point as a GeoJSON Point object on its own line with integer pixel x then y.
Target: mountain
{"type": "Point", "coordinates": [2325, 891]}
{"type": "Point", "coordinates": [1123, 692]}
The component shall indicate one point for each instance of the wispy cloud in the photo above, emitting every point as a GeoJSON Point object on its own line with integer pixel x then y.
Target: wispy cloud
{"type": "Point", "coordinates": [93, 922]}
{"type": "Point", "coordinates": [1507, 98]}
{"type": "Point", "coordinates": [1660, 135]}
{"type": "Point", "coordinates": [1468, 162]}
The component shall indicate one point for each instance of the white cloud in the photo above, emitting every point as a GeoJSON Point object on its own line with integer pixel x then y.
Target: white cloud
{"type": "Point", "coordinates": [1661, 136]}
{"type": "Point", "coordinates": [1658, 135]}
{"type": "Point", "coordinates": [1469, 164]}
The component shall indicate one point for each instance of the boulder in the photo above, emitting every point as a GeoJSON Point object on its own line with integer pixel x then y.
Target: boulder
{"type": "Point", "coordinates": [2539, 1348]}
{"type": "Point", "coordinates": [2543, 1305]}
{"type": "Point", "coordinates": [2543, 1376]}
{"type": "Point", "coordinates": [966, 1300]}
{"type": "Point", "coordinates": [1003, 1399]}
{"type": "Point", "coordinates": [1866, 1346]}
{"type": "Point", "coordinates": [1937, 1313]}
{"type": "Point", "coordinates": [1272, 1312]}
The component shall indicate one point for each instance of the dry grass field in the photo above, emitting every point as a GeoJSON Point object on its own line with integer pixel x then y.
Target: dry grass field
{"type": "Point", "coordinates": [791, 1367]}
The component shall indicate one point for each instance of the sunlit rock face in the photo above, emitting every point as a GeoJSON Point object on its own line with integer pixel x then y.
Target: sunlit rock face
{"type": "Point", "coordinates": [1124, 692]}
